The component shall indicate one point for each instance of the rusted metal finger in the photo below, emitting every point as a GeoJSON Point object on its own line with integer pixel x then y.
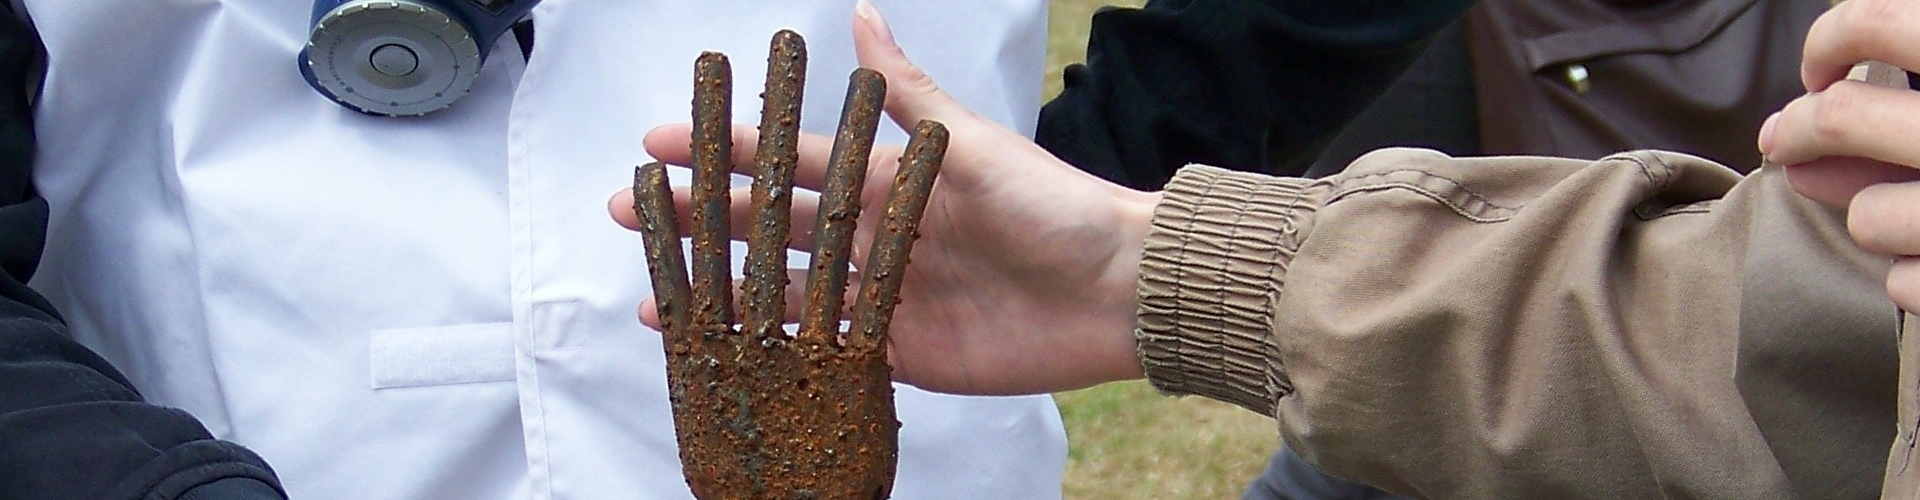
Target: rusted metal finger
{"type": "Point", "coordinates": [887, 261]}
{"type": "Point", "coordinates": [840, 206]}
{"type": "Point", "coordinates": [760, 419]}
{"type": "Point", "coordinates": [660, 232]}
{"type": "Point", "coordinates": [712, 164]}
{"type": "Point", "coordinates": [765, 302]}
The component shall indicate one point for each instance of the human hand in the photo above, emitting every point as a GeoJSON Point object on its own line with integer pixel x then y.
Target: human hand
{"type": "Point", "coordinates": [1850, 143]}
{"type": "Point", "coordinates": [1023, 279]}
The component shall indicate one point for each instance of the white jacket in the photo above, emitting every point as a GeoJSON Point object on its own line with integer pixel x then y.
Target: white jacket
{"type": "Point", "coordinates": [440, 307]}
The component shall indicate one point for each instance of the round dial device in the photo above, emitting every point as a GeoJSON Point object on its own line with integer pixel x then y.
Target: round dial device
{"type": "Point", "coordinates": [391, 57]}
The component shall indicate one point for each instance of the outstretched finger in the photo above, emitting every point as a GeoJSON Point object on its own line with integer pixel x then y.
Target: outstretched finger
{"type": "Point", "coordinates": [672, 144]}
{"type": "Point", "coordinates": [886, 264]}
{"type": "Point", "coordinates": [795, 304]}
{"type": "Point", "coordinates": [806, 207]}
{"type": "Point", "coordinates": [666, 265]}
{"type": "Point", "coordinates": [859, 120]}
{"type": "Point", "coordinates": [762, 294]}
{"type": "Point", "coordinates": [913, 97]}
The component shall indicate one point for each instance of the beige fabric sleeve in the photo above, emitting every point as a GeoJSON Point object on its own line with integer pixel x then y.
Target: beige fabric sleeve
{"type": "Point", "coordinates": [1503, 327]}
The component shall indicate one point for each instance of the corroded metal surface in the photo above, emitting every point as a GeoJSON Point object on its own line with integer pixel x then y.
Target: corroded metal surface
{"type": "Point", "coordinates": [886, 264]}
{"type": "Point", "coordinates": [840, 207]}
{"type": "Point", "coordinates": [712, 164]}
{"type": "Point", "coordinates": [765, 291]}
{"type": "Point", "coordinates": [660, 227]}
{"type": "Point", "coordinates": [757, 414]}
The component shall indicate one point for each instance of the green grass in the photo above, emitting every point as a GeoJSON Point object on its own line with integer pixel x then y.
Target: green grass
{"type": "Point", "coordinates": [1125, 441]}
{"type": "Point", "coordinates": [1067, 24]}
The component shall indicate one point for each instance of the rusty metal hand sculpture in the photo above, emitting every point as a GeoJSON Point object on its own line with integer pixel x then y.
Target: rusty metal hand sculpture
{"type": "Point", "coordinates": [759, 413]}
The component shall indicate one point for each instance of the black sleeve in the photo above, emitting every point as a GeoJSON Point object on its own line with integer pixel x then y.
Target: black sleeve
{"type": "Point", "coordinates": [1243, 84]}
{"type": "Point", "coordinates": [72, 427]}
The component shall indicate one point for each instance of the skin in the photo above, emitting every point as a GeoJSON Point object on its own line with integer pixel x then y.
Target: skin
{"type": "Point", "coordinates": [1853, 145]}
{"type": "Point", "coordinates": [1023, 279]}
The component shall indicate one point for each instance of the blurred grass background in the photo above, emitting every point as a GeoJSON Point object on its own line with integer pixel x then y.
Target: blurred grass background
{"type": "Point", "coordinates": [1125, 440]}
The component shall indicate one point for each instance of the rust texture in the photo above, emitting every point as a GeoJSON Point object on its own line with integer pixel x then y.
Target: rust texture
{"type": "Point", "coordinates": [840, 207]}
{"type": "Point", "coordinates": [887, 261]}
{"type": "Point", "coordinates": [758, 416]}
{"type": "Point", "coordinates": [765, 291]}
{"type": "Point", "coordinates": [660, 231]}
{"type": "Point", "coordinates": [712, 166]}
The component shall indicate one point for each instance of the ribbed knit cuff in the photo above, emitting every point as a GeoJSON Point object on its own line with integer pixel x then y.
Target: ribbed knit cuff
{"type": "Point", "coordinates": [1215, 259]}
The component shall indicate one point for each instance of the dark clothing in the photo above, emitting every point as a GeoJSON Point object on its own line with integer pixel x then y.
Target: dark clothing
{"type": "Point", "coordinates": [1254, 85]}
{"type": "Point", "coordinates": [71, 427]}
{"type": "Point", "coordinates": [1693, 76]}
{"type": "Point", "coordinates": [1583, 79]}
{"type": "Point", "coordinates": [1257, 86]}
{"type": "Point", "coordinates": [1289, 477]}
{"type": "Point", "coordinates": [1589, 78]}
{"type": "Point", "coordinates": [1698, 77]}
{"type": "Point", "coordinates": [1431, 106]}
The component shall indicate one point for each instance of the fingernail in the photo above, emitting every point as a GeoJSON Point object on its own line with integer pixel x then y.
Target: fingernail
{"type": "Point", "coordinates": [1766, 134]}
{"type": "Point", "coordinates": [874, 23]}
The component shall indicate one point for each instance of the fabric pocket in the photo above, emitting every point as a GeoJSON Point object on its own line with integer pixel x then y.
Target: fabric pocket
{"type": "Point", "coordinates": [463, 354]}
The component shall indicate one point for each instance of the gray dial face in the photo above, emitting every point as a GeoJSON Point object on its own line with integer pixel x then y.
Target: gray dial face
{"type": "Point", "coordinates": [392, 57]}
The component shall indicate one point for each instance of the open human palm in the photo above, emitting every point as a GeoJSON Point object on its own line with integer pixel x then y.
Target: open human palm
{"type": "Point", "coordinates": [1023, 278]}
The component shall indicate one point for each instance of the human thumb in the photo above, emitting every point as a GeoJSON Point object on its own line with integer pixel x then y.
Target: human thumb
{"type": "Point", "coordinates": [911, 94]}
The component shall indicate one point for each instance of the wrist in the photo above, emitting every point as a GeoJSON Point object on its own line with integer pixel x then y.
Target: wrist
{"type": "Point", "coordinates": [1117, 318]}
{"type": "Point", "coordinates": [1220, 247]}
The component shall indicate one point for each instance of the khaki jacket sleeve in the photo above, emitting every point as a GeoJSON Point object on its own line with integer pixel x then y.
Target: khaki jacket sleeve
{"type": "Point", "coordinates": [1530, 327]}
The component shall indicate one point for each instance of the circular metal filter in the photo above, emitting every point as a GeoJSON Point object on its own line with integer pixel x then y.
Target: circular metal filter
{"type": "Point", "coordinates": [392, 57]}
